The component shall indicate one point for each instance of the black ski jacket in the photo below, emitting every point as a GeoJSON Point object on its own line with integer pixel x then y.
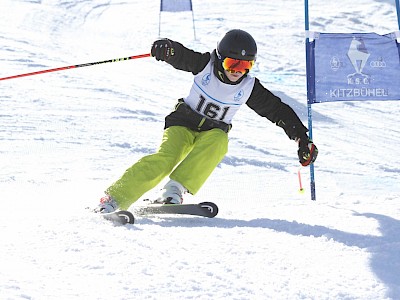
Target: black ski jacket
{"type": "Point", "coordinates": [261, 100]}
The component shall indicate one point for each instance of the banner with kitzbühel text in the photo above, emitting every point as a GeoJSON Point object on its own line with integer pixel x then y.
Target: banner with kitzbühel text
{"type": "Point", "coordinates": [356, 66]}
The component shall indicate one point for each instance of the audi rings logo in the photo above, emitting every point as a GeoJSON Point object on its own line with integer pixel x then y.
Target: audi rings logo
{"type": "Point", "coordinates": [379, 63]}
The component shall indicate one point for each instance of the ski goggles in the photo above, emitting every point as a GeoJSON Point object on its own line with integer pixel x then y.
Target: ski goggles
{"type": "Point", "coordinates": [233, 65]}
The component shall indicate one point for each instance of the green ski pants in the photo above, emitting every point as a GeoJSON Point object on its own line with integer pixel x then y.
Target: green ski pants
{"type": "Point", "coordinates": [197, 154]}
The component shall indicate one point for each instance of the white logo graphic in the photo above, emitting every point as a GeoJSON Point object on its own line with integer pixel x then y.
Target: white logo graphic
{"type": "Point", "coordinates": [335, 63]}
{"type": "Point", "coordinates": [358, 56]}
{"type": "Point", "coordinates": [379, 63]}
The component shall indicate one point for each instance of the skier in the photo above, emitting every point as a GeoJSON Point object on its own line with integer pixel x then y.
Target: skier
{"type": "Point", "coordinates": [195, 138]}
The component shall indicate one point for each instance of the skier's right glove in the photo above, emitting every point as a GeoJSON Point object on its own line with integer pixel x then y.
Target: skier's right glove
{"type": "Point", "coordinates": [162, 49]}
{"type": "Point", "coordinates": [307, 151]}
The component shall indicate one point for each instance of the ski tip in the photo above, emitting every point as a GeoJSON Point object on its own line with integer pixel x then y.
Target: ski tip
{"type": "Point", "coordinates": [211, 208]}
{"type": "Point", "coordinates": [121, 217]}
{"type": "Point", "coordinates": [126, 216]}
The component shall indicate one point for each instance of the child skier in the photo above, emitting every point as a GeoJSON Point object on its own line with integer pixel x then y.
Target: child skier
{"type": "Point", "coordinates": [195, 139]}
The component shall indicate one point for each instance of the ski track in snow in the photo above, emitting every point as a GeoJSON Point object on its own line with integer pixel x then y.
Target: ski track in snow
{"type": "Point", "coordinates": [65, 136]}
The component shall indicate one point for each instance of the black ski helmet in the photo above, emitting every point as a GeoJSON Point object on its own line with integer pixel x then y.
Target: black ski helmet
{"type": "Point", "coordinates": [237, 44]}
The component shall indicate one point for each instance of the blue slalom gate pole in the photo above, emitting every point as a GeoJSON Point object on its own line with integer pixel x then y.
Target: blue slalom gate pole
{"type": "Point", "coordinates": [398, 12]}
{"type": "Point", "coordinates": [310, 90]}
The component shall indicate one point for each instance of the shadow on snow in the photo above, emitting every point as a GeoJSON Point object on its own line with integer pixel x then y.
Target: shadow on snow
{"type": "Point", "coordinates": [384, 249]}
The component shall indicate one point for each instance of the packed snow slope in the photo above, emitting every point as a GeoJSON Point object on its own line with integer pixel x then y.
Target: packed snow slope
{"type": "Point", "coordinates": [65, 136]}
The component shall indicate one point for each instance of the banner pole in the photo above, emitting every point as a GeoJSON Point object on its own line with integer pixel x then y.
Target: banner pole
{"type": "Point", "coordinates": [310, 91]}
{"type": "Point", "coordinates": [159, 19]}
{"type": "Point", "coordinates": [194, 28]}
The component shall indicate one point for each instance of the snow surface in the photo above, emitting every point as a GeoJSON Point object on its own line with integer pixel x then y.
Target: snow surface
{"type": "Point", "coordinates": [65, 136]}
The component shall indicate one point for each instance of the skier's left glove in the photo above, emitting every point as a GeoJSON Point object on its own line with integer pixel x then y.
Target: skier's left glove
{"type": "Point", "coordinates": [307, 151]}
{"type": "Point", "coordinates": [162, 49]}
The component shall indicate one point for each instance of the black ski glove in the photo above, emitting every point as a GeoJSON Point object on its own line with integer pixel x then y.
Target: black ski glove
{"type": "Point", "coordinates": [162, 49]}
{"type": "Point", "coordinates": [307, 151]}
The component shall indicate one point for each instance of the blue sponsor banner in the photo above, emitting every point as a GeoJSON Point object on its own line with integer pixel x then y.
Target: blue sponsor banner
{"type": "Point", "coordinates": [176, 5]}
{"type": "Point", "coordinates": [356, 66]}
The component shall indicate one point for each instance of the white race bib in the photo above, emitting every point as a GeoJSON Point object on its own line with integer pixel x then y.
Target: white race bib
{"type": "Point", "coordinates": [217, 100]}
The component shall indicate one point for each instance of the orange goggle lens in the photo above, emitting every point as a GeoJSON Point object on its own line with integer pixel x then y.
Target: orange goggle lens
{"type": "Point", "coordinates": [236, 65]}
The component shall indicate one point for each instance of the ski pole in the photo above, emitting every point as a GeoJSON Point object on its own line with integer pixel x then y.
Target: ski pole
{"type": "Point", "coordinates": [77, 66]}
{"type": "Point", "coordinates": [301, 190]}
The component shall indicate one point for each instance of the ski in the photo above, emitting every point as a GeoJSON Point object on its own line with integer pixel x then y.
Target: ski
{"type": "Point", "coordinates": [120, 217]}
{"type": "Point", "coordinates": [204, 209]}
